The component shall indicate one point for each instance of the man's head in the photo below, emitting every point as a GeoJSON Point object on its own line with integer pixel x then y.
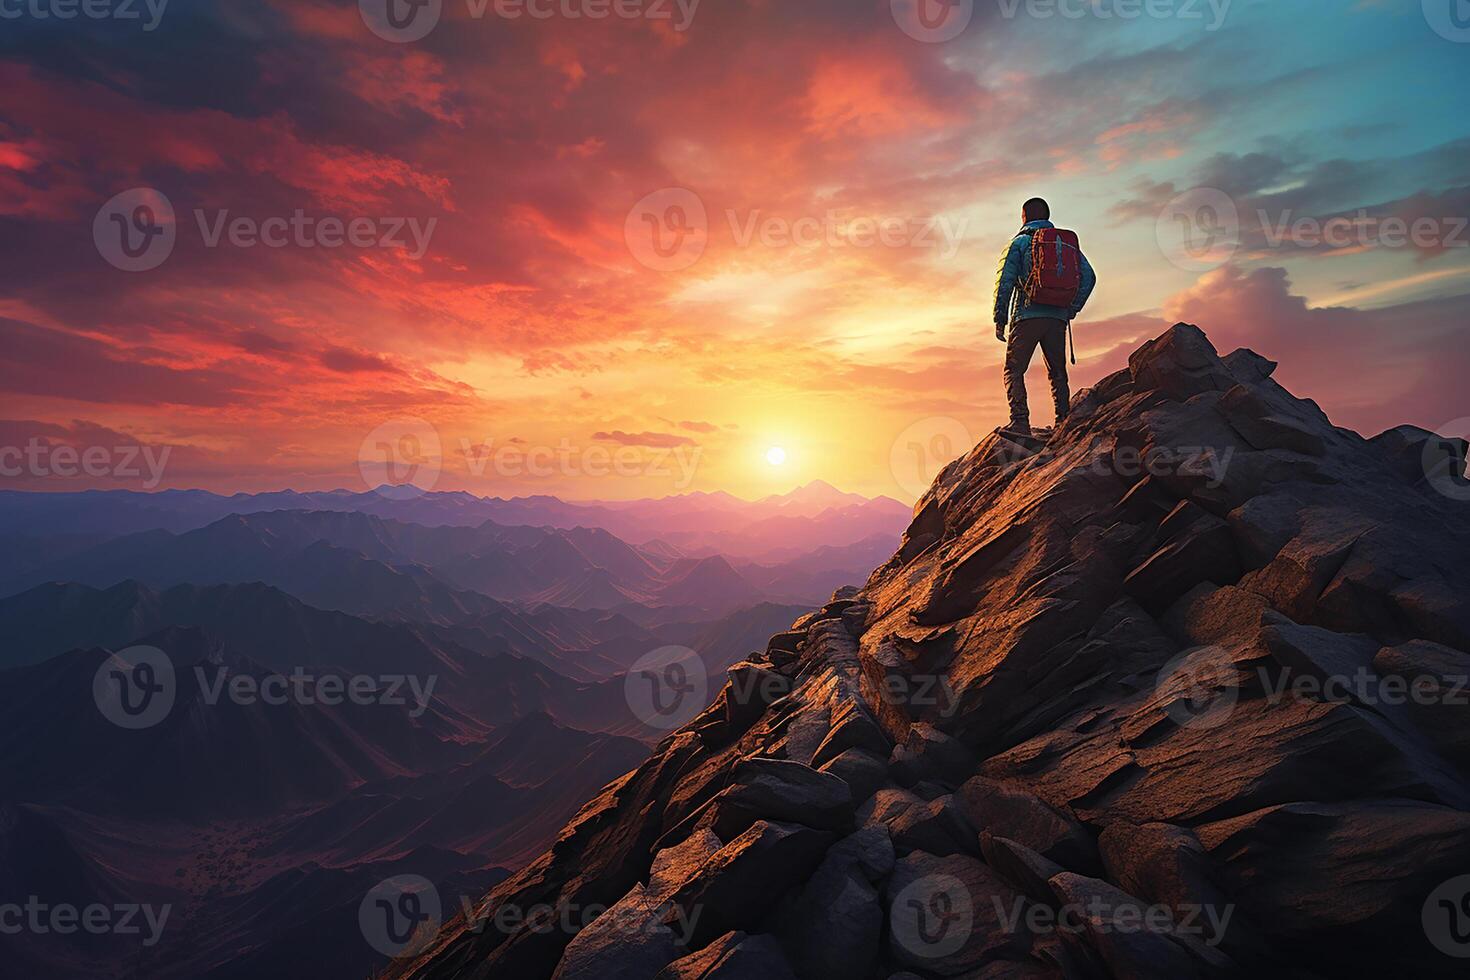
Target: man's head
{"type": "Point", "coordinates": [1035, 210]}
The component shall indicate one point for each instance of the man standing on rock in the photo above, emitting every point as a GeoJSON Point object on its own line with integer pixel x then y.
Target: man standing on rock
{"type": "Point", "coordinates": [1044, 282]}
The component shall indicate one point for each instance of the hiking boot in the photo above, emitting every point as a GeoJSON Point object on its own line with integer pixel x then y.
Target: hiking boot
{"type": "Point", "coordinates": [1018, 428]}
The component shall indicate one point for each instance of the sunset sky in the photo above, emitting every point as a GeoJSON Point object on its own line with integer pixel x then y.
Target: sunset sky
{"type": "Point", "coordinates": [536, 157]}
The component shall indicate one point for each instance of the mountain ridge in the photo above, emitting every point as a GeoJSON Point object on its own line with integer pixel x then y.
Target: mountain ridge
{"type": "Point", "coordinates": [1063, 692]}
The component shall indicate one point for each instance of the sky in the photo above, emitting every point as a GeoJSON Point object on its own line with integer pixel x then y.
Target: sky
{"type": "Point", "coordinates": [608, 249]}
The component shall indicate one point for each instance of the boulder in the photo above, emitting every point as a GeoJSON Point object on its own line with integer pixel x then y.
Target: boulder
{"type": "Point", "coordinates": [1434, 686]}
{"type": "Point", "coordinates": [1264, 428]}
{"type": "Point", "coordinates": [863, 773]}
{"type": "Point", "coordinates": [1248, 367]}
{"type": "Point", "coordinates": [929, 754]}
{"type": "Point", "coordinates": [1009, 811]}
{"type": "Point", "coordinates": [1179, 365]}
{"type": "Point", "coordinates": [739, 882]}
{"type": "Point", "coordinates": [777, 790]}
{"type": "Point", "coordinates": [831, 928]}
{"type": "Point", "coordinates": [951, 915]}
{"type": "Point", "coordinates": [628, 941]}
{"type": "Point", "coordinates": [1340, 889]}
{"type": "Point", "coordinates": [1136, 940]}
{"type": "Point", "coordinates": [1019, 865]}
{"type": "Point", "coordinates": [853, 728]}
{"type": "Point", "coordinates": [935, 826]}
{"type": "Point", "coordinates": [1417, 456]}
{"type": "Point", "coordinates": [1166, 866]}
{"type": "Point", "coordinates": [1202, 551]}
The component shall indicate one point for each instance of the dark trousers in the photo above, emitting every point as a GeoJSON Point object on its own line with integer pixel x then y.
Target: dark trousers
{"type": "Point", "coordinates": [1024, 337]}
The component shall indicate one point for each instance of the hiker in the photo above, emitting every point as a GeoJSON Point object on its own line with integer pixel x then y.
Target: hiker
{"type": "Point", "coordinates": [1038, 301]}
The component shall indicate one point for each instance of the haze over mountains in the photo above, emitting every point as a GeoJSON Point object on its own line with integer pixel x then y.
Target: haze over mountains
{"type": "Point", "coordinates": [774, 527]}
{"type": "Point", "coordinates": [492, 645]}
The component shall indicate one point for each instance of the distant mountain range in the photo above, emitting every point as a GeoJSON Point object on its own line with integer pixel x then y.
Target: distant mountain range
{"type": "Point", "coordinates": [261, 825]}
{"type": "Point", "coordinates": [773, 528]}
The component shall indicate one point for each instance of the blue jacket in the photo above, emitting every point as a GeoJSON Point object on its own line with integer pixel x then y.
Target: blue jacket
{"type": "Point", "coordinates": [1015, 267]}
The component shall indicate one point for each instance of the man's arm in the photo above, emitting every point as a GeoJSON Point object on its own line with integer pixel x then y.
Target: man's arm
{"type": "Point", "coordinates": [1084, 292]}
{"type": "Point", "coordinates": [1005, 284]}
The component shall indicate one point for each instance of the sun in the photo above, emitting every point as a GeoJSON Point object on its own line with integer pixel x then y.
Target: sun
{"type": "Point", "coordinates": [775, 455]}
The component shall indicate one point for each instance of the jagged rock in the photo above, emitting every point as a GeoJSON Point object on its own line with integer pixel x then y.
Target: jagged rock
{"type": "Point", "coordinates": [1087, 401]}
{"type": "Point", "coordinates": [951, 915]}
{"type": "Point", "coordinates": [953, 594]}
{"type": "Point", "coordinates": [1248, 367]}
{"type": "Point", "coordinates": [751, 690]}
{"type": "Point", "coordinates": [886, 806]}
{"type": "Point", "coordinates": [1166, 866]}
{"type": "Point", "coordinates": [1340, 888]}
{"type": "Point", "coordinates": [1135, 940]}
{"type": "Point", "coordinates": [1164, 758]}
{"type": "Point", "coordinates": [733, 889]}
{"type": "Point", "coordinates": [870, 851]}
{"type": "Point", "coordinates": [929, 754]}
{"type": "Point", "coordinates": [1210, 615]}
{"type": "Point", "coordinates": [1309, 651]}
{"type": "Point", "coordinates": [1012, 812]}
{"type": "Point", "coordinates": [853, 728]}
{"type": "Point", "coordinates": [1250, 415]}
{"type": "Point", "coordinates": [935, 826]}
{"type": "Point", "coordinates": [1158, 862]}
{"type": "Point", "coordinates": [1019, 865]}
{"type": "Point", "coordinates": [1417, 456]}
{"type": "Point", "coordinates": [628, 941]}
{"type": "Point", "coordinates": [787, 643]}
{"type": "Point", "coordinates": [1434, 687]}
{"type": "Point", "coordinates": [1108, 619]}
{"type": "Point", "coordinates": [734, 956]}
{"type": "Point", "coordinates": [863, 773]}
{"type": "Point", "coordinates": [832, 927]}
{"type": "Point", "coordinates": [1180, 364]}
{"type": "Point", "coordinates": [777, 790]}
{"type": "Point", "coordinates": [1202, 551]}
{"type": "Point", "coordinates": [1348, 571]}
{"type": "Point", "coordinates": [1263, 525]}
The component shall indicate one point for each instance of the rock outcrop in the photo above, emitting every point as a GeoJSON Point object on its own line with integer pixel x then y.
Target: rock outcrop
{"type": "Point", "coordinates": [1179, 693]}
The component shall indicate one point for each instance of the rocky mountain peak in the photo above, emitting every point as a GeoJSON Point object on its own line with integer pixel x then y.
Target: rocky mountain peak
{"type": "Point", "coordinates": [1133, 700]}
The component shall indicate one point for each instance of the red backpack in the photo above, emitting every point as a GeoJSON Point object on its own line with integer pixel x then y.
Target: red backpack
{"type": "Point", "coordinates": [1056, 268]}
